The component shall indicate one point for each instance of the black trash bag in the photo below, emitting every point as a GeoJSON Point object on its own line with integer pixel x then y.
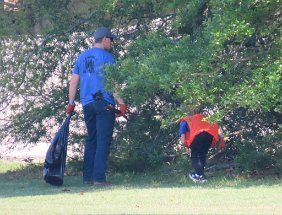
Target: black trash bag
{"type": "Point", "coordinates": [55, 159]}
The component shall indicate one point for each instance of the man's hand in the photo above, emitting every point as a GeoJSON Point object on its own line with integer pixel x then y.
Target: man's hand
{"type": "Point", "coordinates": [70, 108]}
{"type": "Point", "coordinates": [122, 108]}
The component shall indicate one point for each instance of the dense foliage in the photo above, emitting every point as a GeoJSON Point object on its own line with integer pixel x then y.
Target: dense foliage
{"type": "Point", "coordinates": [174, 58]}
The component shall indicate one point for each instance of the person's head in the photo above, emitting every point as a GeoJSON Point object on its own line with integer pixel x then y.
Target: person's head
{"type": "Point", "coordinates": [104, 38]}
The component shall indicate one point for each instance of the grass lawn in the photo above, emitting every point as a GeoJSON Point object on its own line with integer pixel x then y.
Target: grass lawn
{"type": "Point", "coordinates": [22, 191]}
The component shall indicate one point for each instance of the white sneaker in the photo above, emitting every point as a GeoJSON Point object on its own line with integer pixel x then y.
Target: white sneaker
{"type": "Point", "coordinates": [194, 177]}
{"type": "Point", "coordinates": [202, 179]}
{"type": "Point", "coordinates": [197, 178]}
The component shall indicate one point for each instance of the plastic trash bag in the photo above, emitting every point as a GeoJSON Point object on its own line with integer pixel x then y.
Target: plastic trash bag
{"type": "Point", "coordinates": [55, 159]}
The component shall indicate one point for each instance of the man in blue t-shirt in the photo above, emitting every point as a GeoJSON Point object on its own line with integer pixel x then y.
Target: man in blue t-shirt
{"type": "Point", "coordinates": [89, 74]}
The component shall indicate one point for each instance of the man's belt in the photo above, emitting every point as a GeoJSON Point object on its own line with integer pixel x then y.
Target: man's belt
{"type": "Point", "coordinates": [99, 96]}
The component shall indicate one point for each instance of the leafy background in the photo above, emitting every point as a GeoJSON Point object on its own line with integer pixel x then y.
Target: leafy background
{"type": "Point", "coordinates": [173, 58]}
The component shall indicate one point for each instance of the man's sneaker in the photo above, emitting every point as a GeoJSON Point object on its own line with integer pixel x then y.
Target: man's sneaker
{"type": "Point", "coordinates": [88, 182]}
{"type": "Point", "coordinates": [103, 183]}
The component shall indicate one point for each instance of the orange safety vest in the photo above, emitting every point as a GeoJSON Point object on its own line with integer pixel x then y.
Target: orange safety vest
{"type": "Point", "coordinates": [197, 125]}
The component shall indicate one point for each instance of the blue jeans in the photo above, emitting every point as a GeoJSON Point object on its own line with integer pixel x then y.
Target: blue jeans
{"type": "Point", "coordinates": [100, 124]}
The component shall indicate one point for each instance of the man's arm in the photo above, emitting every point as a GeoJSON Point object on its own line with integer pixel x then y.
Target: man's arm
{"type": "Point", "coordinates": [118, 99]}
{"type": "Point", "coordinates": [73, 87]}
{"type": "Point", "coordinates": [122, 107]}
{"type": "Point", "coordinates": [72, 92]}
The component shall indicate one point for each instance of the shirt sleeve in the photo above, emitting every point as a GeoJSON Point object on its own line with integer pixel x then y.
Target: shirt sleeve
{"type": "Point", "coordinates": [109, 59]}
{"type": "Point", "coordinates": [183, 127]}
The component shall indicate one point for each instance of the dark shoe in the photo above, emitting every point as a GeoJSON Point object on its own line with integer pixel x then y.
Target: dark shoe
{"type": "Point", "coordinates": [104, 183]}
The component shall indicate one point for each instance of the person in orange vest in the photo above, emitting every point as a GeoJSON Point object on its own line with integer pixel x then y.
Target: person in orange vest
{"type": "Point", "coordinates": [200, 135]}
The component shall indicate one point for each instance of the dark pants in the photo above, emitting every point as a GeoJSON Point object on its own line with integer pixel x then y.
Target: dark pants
{"type": "Point", "coordinates": [199, 150]}
{"type": "Point", "coordinates": [99, 123]}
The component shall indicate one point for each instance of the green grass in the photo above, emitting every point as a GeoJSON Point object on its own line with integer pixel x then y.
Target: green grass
{"type": "Point", "coordinates": [22, 191]}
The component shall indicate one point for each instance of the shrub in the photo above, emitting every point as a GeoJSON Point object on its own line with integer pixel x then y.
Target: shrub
{"type": "Point", "coordinates": [261, 154]}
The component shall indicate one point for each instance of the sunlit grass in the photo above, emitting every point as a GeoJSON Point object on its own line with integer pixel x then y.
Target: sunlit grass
{"type": "Point", "coordinates": [143, 193]}
{"type": "Point", "coordinates": [6, 166]}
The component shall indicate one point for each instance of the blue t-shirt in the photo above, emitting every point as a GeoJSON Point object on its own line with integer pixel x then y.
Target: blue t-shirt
{"type": "Point", "coordinates": [183, 128]}
{"type": "Point", "coordinates": [89, 66]}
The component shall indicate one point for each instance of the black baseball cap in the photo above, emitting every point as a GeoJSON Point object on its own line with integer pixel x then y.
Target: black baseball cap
{"type": "Point", "coordinates": [103, 32]}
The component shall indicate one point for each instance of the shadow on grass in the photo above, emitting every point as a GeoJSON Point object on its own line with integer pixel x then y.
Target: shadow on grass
{"type": "Point", "coordinates": [28, 181]}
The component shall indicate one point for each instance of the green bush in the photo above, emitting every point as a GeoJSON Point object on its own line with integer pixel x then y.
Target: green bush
{"type": "Point", "coordinates": [278, 164]}
{"type": "Point", "coordinates": [264, 153]}
{"type": "Point", "coordinates": [141, 143]}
